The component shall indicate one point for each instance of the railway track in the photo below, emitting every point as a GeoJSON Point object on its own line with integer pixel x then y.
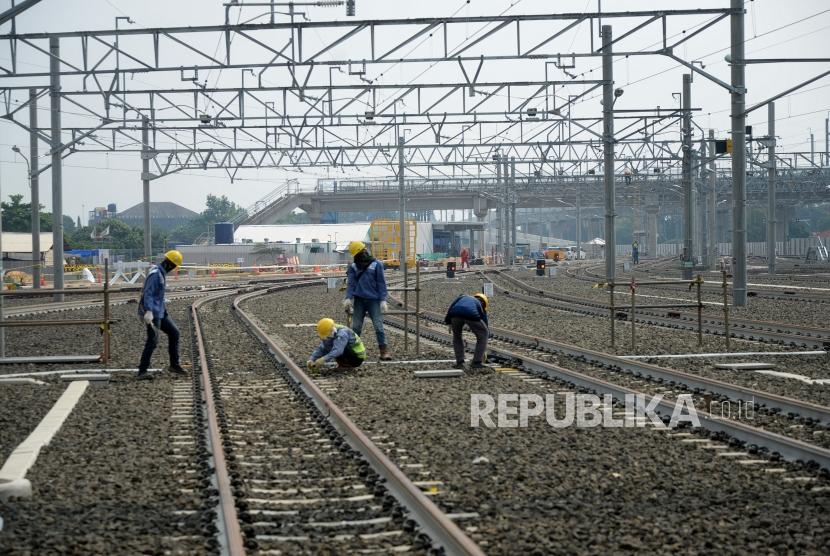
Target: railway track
{"type": "Point", "coordinates": [526, 353]}
{"type": "Point", "coordinates": [787, 292]}
{"type": "Point", "coordinates": [780, 333]}
{"type": "Point", "coordinates": [291, 471]}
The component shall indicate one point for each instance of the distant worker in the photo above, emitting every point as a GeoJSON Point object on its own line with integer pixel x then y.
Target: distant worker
{"type": "Point", "coordinates": [152, 309]}
{"type": "Point", "coordinates": [635, 252]}
{"type": "Point", "coordinates": [366, 293]}
{"type": "Point", "coordinates": [627, 174]}
{"type": "Point", "coordinates": [340, 347]}
{"type": "Point", "coordinates": [465, 258]}
{"type": "Point", "coordinates": [469, 310]}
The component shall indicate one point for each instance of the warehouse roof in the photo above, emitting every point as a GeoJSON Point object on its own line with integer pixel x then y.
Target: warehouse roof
{"type": "Point", "coordinates": [340, 234]}
{"type": "Point", "coordinates": [21, 242]}
{"type": "Point", "coordinates": [162, 209]}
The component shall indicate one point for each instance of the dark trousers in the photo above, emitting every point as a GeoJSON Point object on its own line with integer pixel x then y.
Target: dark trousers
{"type": "Point", "coordinates": [361, 306]}
{"type": "Point", "coordinates": [167, 326]}
{"type": "Point", "coordinates": [635, 254]}
{"type": "Point", "coordinates": [478, 328]}
{"type": "Point", "coordinates": [349, 360]}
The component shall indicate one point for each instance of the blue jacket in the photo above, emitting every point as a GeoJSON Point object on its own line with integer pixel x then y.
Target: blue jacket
{"type": "Point", "coordinates": [368, 284]}
{"type": "Point", "coordinates": [466, 307]}
{"type": "Point", "coordinates": [152, 298]}
{"type": "Point", "coordinates": [333, 347]}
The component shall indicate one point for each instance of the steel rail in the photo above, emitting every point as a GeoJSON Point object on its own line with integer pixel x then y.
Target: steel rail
{"type": "Point", "coordinates": [788, 448]}
{"type": "Point", "coordinates": [819, 412]}
{"type": "Point", "coordinates": [714, 287]}
{"type": "Point", "coordinates": [740, 328]}
{"type": "Point", "coordinates": [235, 545]}
{"type": "Point", "coordinates": [440, 528]}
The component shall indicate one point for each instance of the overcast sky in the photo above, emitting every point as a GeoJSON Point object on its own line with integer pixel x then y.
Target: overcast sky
{"type": "Point", "coordinates": [774, 28]}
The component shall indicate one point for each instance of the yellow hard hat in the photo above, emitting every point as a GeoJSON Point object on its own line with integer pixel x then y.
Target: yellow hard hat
{"type": "Point", "coordinates": [483, 298]}
{"type": "Point", "coordinates": [174, 257]}
{"type": "Point", "coordinates": [325, 327]}
{"type": "Point", "coordinates": [356, 247]}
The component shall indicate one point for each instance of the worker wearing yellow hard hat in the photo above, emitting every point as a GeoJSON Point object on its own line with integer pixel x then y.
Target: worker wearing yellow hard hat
{"type": "Point", "coordinates": [366, 293]}
{"type": "Point", "coordinates": [469, 311]}
{"type": "Point", "coordinates": [340, 347]}
{"type": "Point", "coordinates": [152, 310]}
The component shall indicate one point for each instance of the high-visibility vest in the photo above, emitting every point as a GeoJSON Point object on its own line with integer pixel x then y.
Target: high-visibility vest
{"type": "Point", "coordinates": [357, 348]}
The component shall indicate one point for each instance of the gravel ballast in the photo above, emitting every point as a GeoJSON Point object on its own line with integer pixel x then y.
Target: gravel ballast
{"type": "Point", "coordinates": [546, 490]}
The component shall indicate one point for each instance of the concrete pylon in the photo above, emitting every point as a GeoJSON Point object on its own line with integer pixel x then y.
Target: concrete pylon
{"type": "Point", "coordinates": [651, 229]}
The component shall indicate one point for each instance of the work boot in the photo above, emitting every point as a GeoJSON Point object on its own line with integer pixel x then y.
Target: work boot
{"type": "Point", "coordinates": [480, 367]}
{"type": "Point", "coordinates": [459, 366]}
{"type": "Point", "coordinates": [384, 354]}
{"type": "Point", "coordinates": [176, 370]}
{"type": "Point", "coordinates": [143, 375]}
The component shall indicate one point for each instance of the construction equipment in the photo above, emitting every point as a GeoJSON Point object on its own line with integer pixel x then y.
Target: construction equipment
{"type": "Point", "coordinates": [385, 235]}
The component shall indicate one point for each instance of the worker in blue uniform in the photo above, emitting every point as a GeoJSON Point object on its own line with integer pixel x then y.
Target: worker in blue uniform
{"type": "Point", "coordinates": [340, 347]}
{"type": "Point", "coordinates": [152, 310]}
{"type": "Point", "coordinates": [469, 311]}
{"type": "Point", "coordinates": [366, 293]}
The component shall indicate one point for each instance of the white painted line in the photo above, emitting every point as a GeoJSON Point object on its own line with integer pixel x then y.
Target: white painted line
{"type": "Point", "coordinates": [76, 371]}
{"type": "Point", "coordinates": [13, 473]}
{"type": "Point", "coordinates": [802, 378]}
{"type": "Point", "coordinates": [754, 366]}
{"type": "Point", "coordinates": [22, 380]}
{"type": "Point", "coordinates": [448, 373]}
{"type": "Point", "coordinates": [734, 354]}
{"type": "Point", "coordinates": [417, 362]}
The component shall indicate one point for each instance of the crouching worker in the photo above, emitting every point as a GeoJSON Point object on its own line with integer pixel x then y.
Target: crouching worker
{"type": "Point", "coordinates": [340, 347]}
{"type": "Point", "coordinates": [469, 310]}
{"type": "Point", "coordinates": [152, 310]}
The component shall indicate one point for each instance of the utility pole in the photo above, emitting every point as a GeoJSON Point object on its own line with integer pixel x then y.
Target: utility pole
{"type": "Point", "coordinates": [738, 155]}
{"type": "Point", "coordinates": [608, 153]}
{"type": "Point", "coordinates": [578, 221]}
{"type": "Point", "coordinates": [713, 204]}
{"type": "Point", "coordinates": [505, 174]}
{"type": "Point", "coordinates": [57, 165]}
{"type": "Point", "coordinates": [145, 181]}
{"type": "Point", "coordinates": [34, 181]}
{"type": "Point", "coordinates": [702, 237]}
{"type": "Point", "coordinates": [812, 148]}
{"type": "Point", "coordinates": [771, 218]}
{"type": "Point", "coordinates": [827, 142]}
{"type": "Point", "coordinates": [499, 206]}
{"type": "Point", "coordinates": [2, 274]}
{"type": "Point", "coordinates": [688, 223]}
{"type": "Point", "coordinates": [402, 210]}
{"type": "Point", "coordinates": [513, 210]}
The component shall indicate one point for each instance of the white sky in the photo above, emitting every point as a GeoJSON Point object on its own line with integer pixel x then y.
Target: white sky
{"type": "Point", "coordinates": [774, 28]}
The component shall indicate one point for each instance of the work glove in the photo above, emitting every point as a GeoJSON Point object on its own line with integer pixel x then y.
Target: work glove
{"type": "Point", "coordinates": [320, 363]}
{"type": "Point", "coordinates": [384, 307]}
{"type": "Point", "coordinates": [148, 317]}
{"type": "Point", "coordinates": [311, 366]}
{"type": "Point", "coordinates": [347, 304]}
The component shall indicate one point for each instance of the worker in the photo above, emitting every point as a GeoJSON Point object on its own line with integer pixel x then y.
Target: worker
{"type": "Point", "coordinates": [465, 258]}
{"type": "Point", "coordinates": [152, 309]}
{"type": "Point", "coordinates": [469, 310]}
{"type": "Point", "coordinates": [635, 252]}
{"type": "Point", "coordinates": [366, 293]}
{"type": "Point", "coordinates": [627, 173]}
{"type": "Point", "coordinates": [340, 347]}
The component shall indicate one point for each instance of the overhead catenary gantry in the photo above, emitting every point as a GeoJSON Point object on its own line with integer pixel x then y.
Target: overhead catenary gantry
{"type": "Point", "coordinates": [311, 93]}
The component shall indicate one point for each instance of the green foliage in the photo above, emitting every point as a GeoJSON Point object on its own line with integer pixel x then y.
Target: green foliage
{"type": "Point", "coordinates": [121, 236]}
{"type": "Point", "coordinates": [17, 216]}
{"type": "Point", "coordinates": [219, 209]}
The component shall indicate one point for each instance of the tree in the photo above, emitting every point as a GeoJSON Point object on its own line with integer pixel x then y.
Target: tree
{"type": "Point", "coordinates": [219, 209]}
{"type": "Point", "coordinates": [120, 236]}
{"type": "Point", "coordinates": [17, 217]}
